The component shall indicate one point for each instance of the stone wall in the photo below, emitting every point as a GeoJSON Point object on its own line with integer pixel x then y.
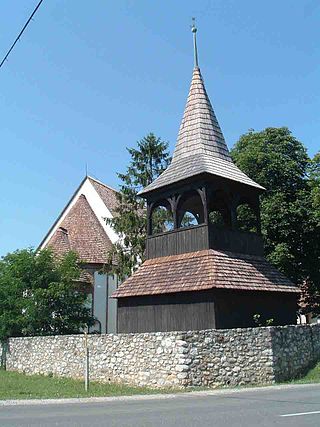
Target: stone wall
{"type": "Point", "coordinates": [229, 357]}
{"type": "Point", "coordinates": [174, 359]}
{"type": "Point", "coordinates": [295, 349]}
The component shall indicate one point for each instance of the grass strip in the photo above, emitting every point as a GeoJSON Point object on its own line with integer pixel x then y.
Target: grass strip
{"type": "Point", "coordinates": [14, 385]}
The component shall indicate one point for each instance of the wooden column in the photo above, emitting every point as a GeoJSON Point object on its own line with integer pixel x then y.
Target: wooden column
{"type": "Point", "coordinates": [175, 212]}
{"type": "Point", "coordinates": [233, 211]}
{"type": "Point", "coordinates": [203, 194]}
{"type": "Point", "coordinates": [149, 218]}
{"type": "Point", "coordinates": [173, 204]}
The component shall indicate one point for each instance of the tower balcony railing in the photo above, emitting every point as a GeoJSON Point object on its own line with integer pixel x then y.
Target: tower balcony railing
{"type": "Point", "coordinates": [203, 236]}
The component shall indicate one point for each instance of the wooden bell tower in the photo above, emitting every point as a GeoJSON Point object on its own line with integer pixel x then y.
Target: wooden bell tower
{"type": "Point", "coordinates": [204, 263]}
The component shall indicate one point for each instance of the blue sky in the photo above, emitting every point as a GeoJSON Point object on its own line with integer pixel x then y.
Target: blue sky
{"type": "Point", "coordinates": [89, 79]}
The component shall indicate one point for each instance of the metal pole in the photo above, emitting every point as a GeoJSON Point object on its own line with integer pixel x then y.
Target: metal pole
{"type": "Point", "coordinates": [195, 50]}
{"type": "Point", "coordinates": [86, 362]}
{"type": "Point", "coordinates": [86, 378]}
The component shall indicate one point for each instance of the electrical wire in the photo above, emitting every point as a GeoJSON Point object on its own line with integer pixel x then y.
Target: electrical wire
{"type": "Point", "coordinates": [20, 34]}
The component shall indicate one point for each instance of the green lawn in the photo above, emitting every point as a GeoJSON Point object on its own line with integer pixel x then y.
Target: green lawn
{"type": "Point", "coordinates": [19, 386]}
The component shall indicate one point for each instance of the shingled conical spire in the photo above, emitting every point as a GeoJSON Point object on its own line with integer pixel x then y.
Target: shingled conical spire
{"type": "Point", "coordinates": [200, 147]}
{"type": "Point", "coordinates": [200, 132]}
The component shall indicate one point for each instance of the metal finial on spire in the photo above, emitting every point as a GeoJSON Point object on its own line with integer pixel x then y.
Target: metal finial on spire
{"type": "Point", "coordinates": [194, 31]}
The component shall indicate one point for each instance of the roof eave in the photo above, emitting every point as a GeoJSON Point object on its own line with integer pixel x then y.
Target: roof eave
{"type": "Point", "coordinates": [146, 192]}
{"type": "Point", "coordinates": [61, 214]}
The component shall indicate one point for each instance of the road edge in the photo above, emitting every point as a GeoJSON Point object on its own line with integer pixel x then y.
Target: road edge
{"type": "Point", "coordinates": [137, 397]}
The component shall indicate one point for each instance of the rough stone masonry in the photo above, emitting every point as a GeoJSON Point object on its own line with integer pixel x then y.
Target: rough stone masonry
{"type": "Point", "coordinates": [174, 359]}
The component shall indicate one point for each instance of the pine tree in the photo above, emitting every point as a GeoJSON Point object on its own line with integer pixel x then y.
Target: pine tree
{"type": "Point", "coordinates": [148, 161]}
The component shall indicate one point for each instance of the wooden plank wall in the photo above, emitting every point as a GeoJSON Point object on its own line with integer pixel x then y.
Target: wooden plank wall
{"type": "Point", "coordinates": [220, 309]}
{"type": "Point", "coordinates": [175, 312]}
{"type": "Point", "coordinates": [203, 237]}
{"type": "Point", "coordinates": [235, 309]}
{"type": "Point", "coordinates": [235, 241]}
{"type": "Point", "coordinates": [178, 242]}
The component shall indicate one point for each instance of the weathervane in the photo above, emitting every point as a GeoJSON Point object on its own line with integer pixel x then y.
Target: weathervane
{"type": "Point", "coordinates": [194, 31]}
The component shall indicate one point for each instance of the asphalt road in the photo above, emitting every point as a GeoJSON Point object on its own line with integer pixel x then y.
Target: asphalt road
{"type": "Point", "coordinates": [294, 406]}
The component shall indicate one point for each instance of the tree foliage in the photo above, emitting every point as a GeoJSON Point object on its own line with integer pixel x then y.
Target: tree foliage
{"type": "Point", "coordinates": [290, 207]}
{"type": "Point", "coordinates": [39, 294]}
{"type": "Point", "coordinates": [147, 162]}
{"type": "Point", "coordinates": [314, 183]}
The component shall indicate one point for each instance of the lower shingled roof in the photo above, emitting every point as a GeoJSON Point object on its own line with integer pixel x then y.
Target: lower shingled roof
{"type": "Point", "coordinates": [207, 269]}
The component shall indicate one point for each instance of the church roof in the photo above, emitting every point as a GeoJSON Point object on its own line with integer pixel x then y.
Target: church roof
{"type": "Point", "coordinates": [81, 226]}
{"type": "Point", "coordinates": [107, 194]}
{"type": "Point", "coordinates": [83, 232]}
{"type": "Point", "coordinates": [200, 146]}
{"type": "Point", "coordinates": [203, 270]}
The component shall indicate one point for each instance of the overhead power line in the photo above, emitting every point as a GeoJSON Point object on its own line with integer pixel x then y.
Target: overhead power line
{"type": "Point", "coordinates": [21, 32]}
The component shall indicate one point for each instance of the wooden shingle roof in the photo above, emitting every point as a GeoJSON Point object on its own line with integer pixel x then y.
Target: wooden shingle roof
{"type": "Point", "coordinates": [80, 231]}
{"type": "Point", "coordinates": [81, 226]}
{"type": "Point", "coordinates": [107, 194]}
{"type": "Point", "coordinates": [202, 270]}
{"type": "Point", "coordinates": [200, 147]}
{"type": "Point", "coordinates": [200, 132]}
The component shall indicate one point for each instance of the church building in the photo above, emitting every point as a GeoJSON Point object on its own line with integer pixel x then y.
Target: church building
{"type": "Point", "coordinates": [81, 227]}
{"type": "Point", "coordinates": [205, 265]}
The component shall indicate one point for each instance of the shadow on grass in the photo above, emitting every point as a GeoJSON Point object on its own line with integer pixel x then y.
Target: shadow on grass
{"type": "Point", "coordinates": [308, 376]}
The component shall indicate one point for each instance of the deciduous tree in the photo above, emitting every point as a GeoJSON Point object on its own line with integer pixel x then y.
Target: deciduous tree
{"type": "Point", "coordinates": [290, 207]}
{"type": "Point", "coordinates": [39, 294]}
